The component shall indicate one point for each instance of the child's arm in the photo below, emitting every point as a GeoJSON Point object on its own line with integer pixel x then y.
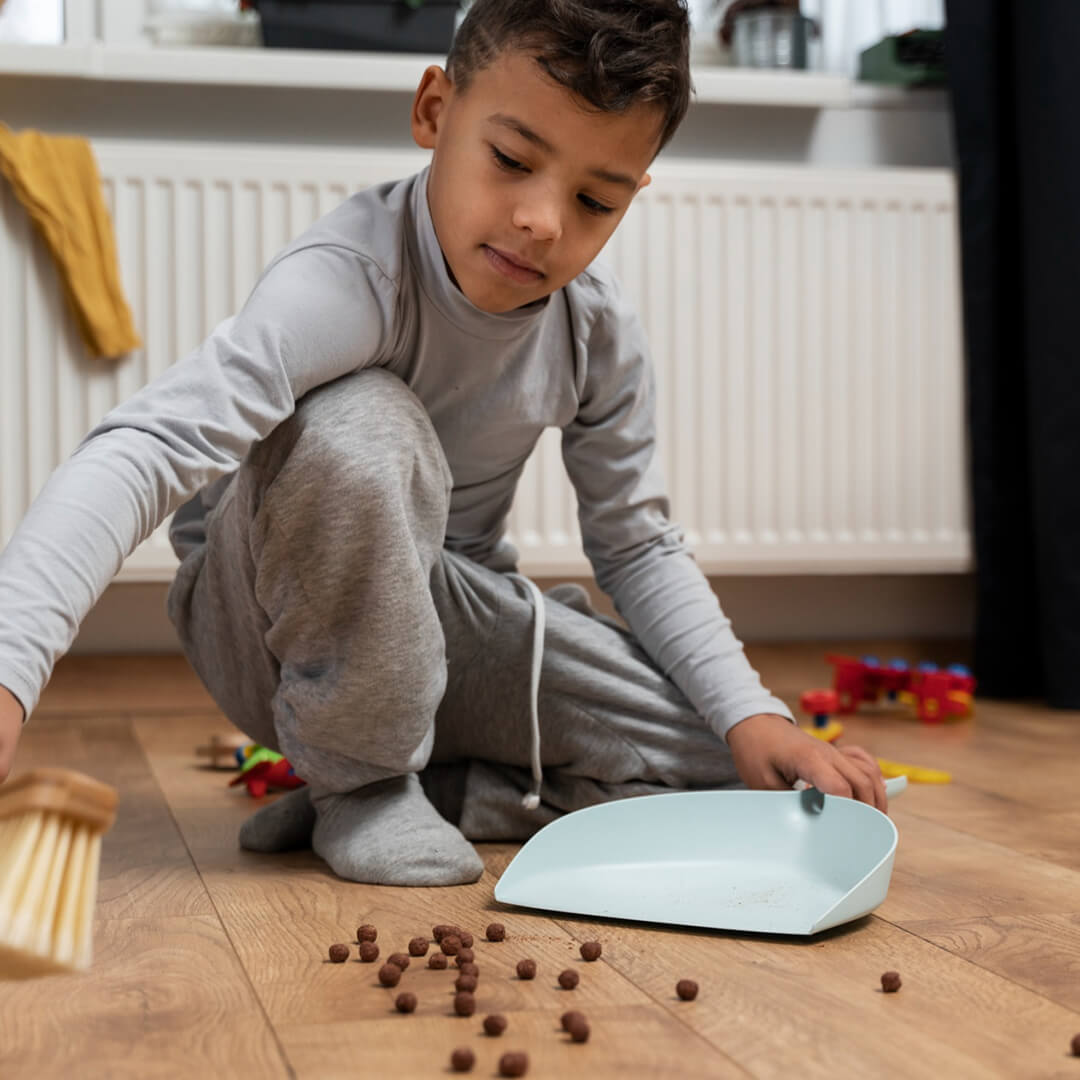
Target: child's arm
{"type": "Point", "coordinates": [316, 314]}
{"type": "Point", "coordinates": [11, 721]}
{"type": "Point", "coordinates": [641, 561]}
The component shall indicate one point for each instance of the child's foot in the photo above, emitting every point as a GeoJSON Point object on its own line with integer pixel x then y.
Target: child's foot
{"type": "Point", "coordinates": [284, 825]}
{"type": "Point", "coordinates": [387, 833]}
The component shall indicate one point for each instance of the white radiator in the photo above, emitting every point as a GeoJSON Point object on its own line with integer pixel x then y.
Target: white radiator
{"type": "Point", "coordinates": [804, 325]}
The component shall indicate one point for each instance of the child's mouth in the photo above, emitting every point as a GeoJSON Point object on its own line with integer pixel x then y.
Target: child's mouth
{"type": "Point", "coordinates": [506, 265]}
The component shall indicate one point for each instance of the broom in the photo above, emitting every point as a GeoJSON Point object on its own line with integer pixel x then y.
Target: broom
{"type": "Point", "coordinates": [51, 824]}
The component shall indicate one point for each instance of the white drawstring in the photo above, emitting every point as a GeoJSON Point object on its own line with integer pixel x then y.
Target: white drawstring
{"type": "Point", "coordinates": [532, 800]}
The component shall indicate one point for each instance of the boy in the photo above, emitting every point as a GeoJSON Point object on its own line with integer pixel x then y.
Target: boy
{"type": "Point", "coordinates": [348, 446]}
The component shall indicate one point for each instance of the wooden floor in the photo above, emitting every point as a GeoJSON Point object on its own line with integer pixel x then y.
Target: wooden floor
{"type": "Point", "coordinates": [211, 962]}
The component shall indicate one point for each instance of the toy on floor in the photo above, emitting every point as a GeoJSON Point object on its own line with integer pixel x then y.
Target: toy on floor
{"type": "Point", "coordinates": [263, 769]}
{"type": "Point", "coordinates": [820, 703]}
{"type": "Point", "coordinates": [934, 692]}
{"type": "Point", "coordinates": [222, 750]}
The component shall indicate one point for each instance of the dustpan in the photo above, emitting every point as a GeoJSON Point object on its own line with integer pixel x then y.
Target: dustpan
{"type": "Point", "coordinates": [776, 862]}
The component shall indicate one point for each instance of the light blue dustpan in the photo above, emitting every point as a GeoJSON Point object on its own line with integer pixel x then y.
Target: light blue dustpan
{"type": "Point", "coordinates": [773, 862]}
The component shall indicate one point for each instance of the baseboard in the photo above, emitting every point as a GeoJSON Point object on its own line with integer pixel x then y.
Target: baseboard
{"type": "Point", "coordinates": [131, 618]}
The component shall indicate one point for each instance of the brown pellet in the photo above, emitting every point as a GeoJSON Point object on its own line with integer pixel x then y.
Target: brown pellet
{"type": "Point", "coordinates": [462, 1059]}
{"type": "Point", "coordinates": [469, 969]}
{"type": "Point", "coordinates": [367, 932]}
{"type": "Point", "coordinates": [339, 953]}
{"type": "Point", "coordinates": [465, 956]}
{"type": "Point", "coordinates": [495, 1024]}
{"type": "Point", "coordinates": [579, 1029]}
{"type": "Point", "coordinates": [437, 961]}
{"type": "Point", "coordinates": [569, 1017]}
{"type": "Point", "coordinates": [405, 1002]}
{"type": "Point", "coordinates": [569, 979]}
{"type": "Point", "coordinates": [389, 974]}
{"type": "Point", "coordinates": [464, 1003]}
{"type": "Point", "coordinates": [526, 969]}
{"type": "Point", "coordinates": [686, 989]}
{"type": "Point", "coordinates": [515, 1063]}
{"type": "Point", "coordinates": [418, 946]}
{"type": "Point", "coordinates": [440, 930]}
{"type": "Point", "coordinates": [464, 937]}
{"type": "Point", "coordinates": [591, 950]}
{"type": "Point", "coordinates": [1075, 1045]}
{"type": "Point", "coordinates": [451, 944]}
{"type": "Point", "coordinates": [466, 982]}
{"type": "Point", "coordinates": [369, 951]}
{"type": "Point", "coordinates": [890, 982]}
{"type": "Point", "coordinates": [495, 932]}
{"type": "Point", "coordinates": [399, 959]}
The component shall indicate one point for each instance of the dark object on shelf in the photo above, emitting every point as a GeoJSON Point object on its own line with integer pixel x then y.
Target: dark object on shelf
{"type": "Point", "coordinates": [916, 58]}
{"type": "Point", "coordinates": [373, 25]}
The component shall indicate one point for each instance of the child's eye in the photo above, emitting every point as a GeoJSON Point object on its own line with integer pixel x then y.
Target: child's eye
{"type": "Point", "coordinates": [507, 163]}
{"type": "Point", "coordinates": [593, 206]}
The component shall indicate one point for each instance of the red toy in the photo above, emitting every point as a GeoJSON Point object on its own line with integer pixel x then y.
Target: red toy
{"type": "Point", "coordinates": [934, 692]}
{"type": "Point", "coordinates": [268, 774]}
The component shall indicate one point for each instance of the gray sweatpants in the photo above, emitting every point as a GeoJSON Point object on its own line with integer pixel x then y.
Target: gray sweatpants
{"type": "Point", "coordinates": [329, 623]}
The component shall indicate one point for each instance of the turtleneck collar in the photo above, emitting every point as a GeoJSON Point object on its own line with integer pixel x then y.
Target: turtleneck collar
{"type": "Point", "coordinates": [439, 286]}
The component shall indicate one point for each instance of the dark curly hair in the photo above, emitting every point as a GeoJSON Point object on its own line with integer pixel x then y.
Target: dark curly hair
{"type": "Point", "coordinates": [611, 53]}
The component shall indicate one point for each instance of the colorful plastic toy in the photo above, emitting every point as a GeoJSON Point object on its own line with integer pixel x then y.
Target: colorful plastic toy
{"type": "Point", "coordinates": [821, 704]}
{"type": "Point", "coordinates": [264, 769]}
{"type": "Point", "coordinates": [935, 693]}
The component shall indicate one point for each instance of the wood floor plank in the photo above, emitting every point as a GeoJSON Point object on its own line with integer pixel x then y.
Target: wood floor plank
{"type": "Point", "coordinates": [166, 998]}
{"type": "Point", "coordinates": [1041, 952]}
{"type": "Point", "coordinates": [625, 1041]}
{"type": "Point", "coordinates": [781, 1007]}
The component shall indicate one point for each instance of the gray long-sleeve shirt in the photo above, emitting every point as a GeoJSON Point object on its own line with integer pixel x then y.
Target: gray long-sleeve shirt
{"type": "Point", "coordinates": [367, 286]}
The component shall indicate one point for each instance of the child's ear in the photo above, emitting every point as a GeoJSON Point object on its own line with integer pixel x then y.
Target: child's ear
{"type": "Point", "coordinates": [431, 97]}
{"type": "Point", "coordinates": [644, 182]}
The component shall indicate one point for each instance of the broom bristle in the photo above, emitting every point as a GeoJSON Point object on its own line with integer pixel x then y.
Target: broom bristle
{"type": "Point", "coordinates": [49, 860]}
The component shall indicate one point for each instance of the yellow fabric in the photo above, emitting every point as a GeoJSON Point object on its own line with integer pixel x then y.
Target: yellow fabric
{"type": "Point", "coordinates": [55, 177]}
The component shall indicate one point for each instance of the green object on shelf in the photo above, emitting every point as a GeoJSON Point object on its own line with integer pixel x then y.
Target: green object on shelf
{"type": "Point", "coordinates": [916, 58]}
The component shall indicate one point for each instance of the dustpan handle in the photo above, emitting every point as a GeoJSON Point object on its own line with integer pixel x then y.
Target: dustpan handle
{"type": "Point", "coordinates": [894, 786]}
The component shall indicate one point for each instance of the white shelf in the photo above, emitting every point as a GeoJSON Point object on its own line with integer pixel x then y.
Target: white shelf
{"type": "Point", "coordinates": [364, 71]}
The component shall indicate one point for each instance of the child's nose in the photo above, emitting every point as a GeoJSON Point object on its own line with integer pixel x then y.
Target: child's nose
{"type": "Point", "coordinates": [540, 215]}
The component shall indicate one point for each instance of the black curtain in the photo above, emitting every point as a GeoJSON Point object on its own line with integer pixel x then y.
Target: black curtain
{"type": "Point", "coordinates": [1014, 73]}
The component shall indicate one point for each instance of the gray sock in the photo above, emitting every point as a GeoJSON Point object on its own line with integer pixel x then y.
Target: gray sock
{"type": "Point", "coordinates": [388, 833]}
{"type": "Point", "coordinates": [284, 825]}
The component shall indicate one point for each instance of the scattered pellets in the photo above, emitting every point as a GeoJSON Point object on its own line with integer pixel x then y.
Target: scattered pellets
{"type": "Point", "coordinates": [1075, 1045]}
{"type": "Point", "coordinates": [569, 1017]}
{"type": "Point", "coordinates": [591, 950]}
{"type": "Point", "coordinates": [438, 961]}
{"type": "Point", "coordinates": [569, 979]}
{"type": "Point", "coordinates": [367, 932]}
{"type": "Point", "coordinates": [686, 989]}
{"type": "Point", "coordinates": [369, 951]}
{"type": "Point", "coordinates": [496, 932]}
{"type": "Point", "coordinates": [466, 983]}
{"type": "Point", "coordinates": [462, 1059]}
{"type": "Point", "coordinates": [579, 1029]}
{"type": "Point", "coordinates": [465, 956]}
{"type": "Point", "coordinates": [515, 1063]}
{"type": "Point", "coordinates": [400, 959]}
{"type": "Point", "coordinates": [890, 982]}
{"type": "Point", "coordinates": [465, 937]}
{"type": "Point", "coordinates": [450, 944]}
{"type": "Point", "coordinates": [405, 1002]}
{"type": "Point", "coordinates": [389, 974]}
{"type": "Point", "coordinates": [495, 1024]}
{"type": "Point", "coordinates": [469, 968]}
{"type": "Point", "coordinates": [339, 953]}
{"type": "Point", "coordinates": [464, 1003]}
{"type": "Point", "coordinates": [440, 930]}
{"type": "Point", "coordinates": [418, 946]}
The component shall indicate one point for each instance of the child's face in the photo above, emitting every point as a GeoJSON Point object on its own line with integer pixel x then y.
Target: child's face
{"type": "Point", "coordinates": [526, 186]}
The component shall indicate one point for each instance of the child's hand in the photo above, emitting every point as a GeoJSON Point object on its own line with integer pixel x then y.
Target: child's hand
{"type": "Point", "coordinates": [11, 721]}
{"type": "Point", "coordinates": [770, 752]}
